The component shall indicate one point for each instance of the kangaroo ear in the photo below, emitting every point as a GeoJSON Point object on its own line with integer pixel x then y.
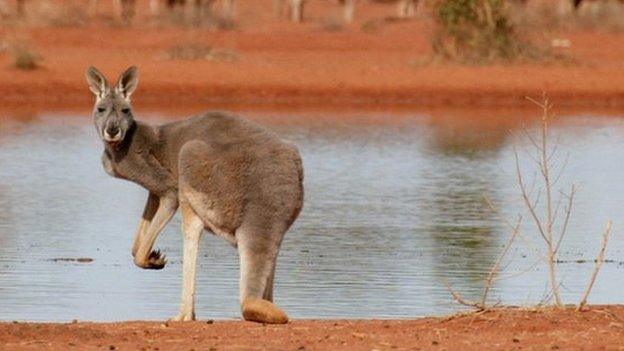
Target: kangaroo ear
{"type": "Point", "coordinates": [97, 83]}
{"type": "Point", "coordinates": [128, 82]}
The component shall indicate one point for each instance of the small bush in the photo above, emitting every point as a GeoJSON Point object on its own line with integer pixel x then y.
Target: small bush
{"type": "Point", "coordinates": [371, 26]}
{"type": "Point", "coordinates": [24, 56]}
{"type": "Point", "coordinates": [474, 31]}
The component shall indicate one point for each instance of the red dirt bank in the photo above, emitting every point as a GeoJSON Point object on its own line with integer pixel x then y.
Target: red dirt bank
{"type": "Point", "coordinates": [601, 328]}
{"type": "Point", "coordinates": [273, 62]}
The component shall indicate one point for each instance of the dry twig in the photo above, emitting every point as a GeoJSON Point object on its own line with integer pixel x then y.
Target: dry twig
{"type": "Point", "coordinates": [599, 261]}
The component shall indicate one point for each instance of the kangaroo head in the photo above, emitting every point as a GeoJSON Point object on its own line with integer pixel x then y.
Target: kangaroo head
{"type": "Point", "coordinates": [112, 110]}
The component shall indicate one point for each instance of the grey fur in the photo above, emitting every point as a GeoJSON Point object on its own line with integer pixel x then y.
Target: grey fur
{"type": "Point", "coordinates": [231, 177]}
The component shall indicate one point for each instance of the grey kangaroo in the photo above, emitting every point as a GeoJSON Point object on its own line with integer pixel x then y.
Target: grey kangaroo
{"type": "Point", "coordinates": [226, 174]}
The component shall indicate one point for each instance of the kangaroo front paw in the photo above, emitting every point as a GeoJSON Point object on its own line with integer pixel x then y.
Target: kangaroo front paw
{"type": "Point", "coordinates": [155, 260]}
{"type": "Point", "coordinates": [183, 317]}
{"type": "Point", "coordinates": [262, 311]}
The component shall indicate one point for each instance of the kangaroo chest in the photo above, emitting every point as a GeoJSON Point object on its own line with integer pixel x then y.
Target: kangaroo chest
{"type": "Point", "coordinates": [113, 168]}
{"type": "Point", "coordinates": [107, 163]}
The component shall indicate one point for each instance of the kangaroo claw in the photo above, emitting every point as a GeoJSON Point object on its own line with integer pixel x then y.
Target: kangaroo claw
{"type": "Point", "coordinates": [156, 260]}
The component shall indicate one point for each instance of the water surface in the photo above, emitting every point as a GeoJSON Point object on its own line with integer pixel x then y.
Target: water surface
{"type": "Point", "coordinates": [394, 208]}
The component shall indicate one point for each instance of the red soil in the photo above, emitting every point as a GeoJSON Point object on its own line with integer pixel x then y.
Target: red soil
{"type": "Point", "coordinates": [600, 328]}
{"type": "Point", "coordinates": [272, 62]}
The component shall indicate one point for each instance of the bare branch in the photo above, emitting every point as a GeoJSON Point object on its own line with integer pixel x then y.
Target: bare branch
{"type": "Point", "coordinates": [532, 140]}
{"type": "Point", "coordinates": [557, 208]}
{"type": "Point", "coordinates": [511, 226]}
{"type": "Point", "coordinates": [540, 104]}
{"type": "Point", "coordinates": [537, 198]}
{"type": "Point", "coordinates": [527, 201]}
{"type": "Point", "coordinates": [512, 275]}
{"type": "Point", "coordinates": [553, 152]}
{"type": "Point", "coordinates": [563, 167]}
{"type": "Point", "coordinates": [461, 300]}
{"type": "Point", "coordinates": [496, 266]}
{"type": "Point", "coordinates": [568, 211]}
{"type": "Point", "coordinates": [599, 262]}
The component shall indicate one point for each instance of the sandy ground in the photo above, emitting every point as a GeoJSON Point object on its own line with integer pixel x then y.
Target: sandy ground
{"type": "Point", "coordinates": [263, 61]}
{"type": "Point", "coordinates": [600, 328]}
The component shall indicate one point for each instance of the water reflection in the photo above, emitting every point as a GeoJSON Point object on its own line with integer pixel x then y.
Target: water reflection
{"type": "Point", "coordinates": [394, 205]}
{"type": "Point", "coordinates": [463, 227]}
{"type": "Point", "coordinates": [466, 140]}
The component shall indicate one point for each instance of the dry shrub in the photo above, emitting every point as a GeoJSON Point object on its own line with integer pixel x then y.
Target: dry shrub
{"type": "Point", "coordinates": [474, 31]}
{"type": "Point", "coordinates": [371, 26]}
{"type": "Point", "coordinates": [549, 212]}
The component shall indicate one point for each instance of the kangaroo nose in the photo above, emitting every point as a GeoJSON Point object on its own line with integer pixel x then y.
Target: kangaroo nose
{"type": "Point", "coordinates": [112, 130]}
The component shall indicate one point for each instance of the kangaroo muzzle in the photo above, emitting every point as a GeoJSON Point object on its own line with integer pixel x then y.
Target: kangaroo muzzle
{"type": "Point", "coordinates": [112, 133]}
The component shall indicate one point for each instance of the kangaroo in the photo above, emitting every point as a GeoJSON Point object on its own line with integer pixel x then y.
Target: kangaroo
{"type": "Point", "coordinates": [577, 3]}
{"type": "Point", "coordinates": [124, 9]}
{"type": "Point", "coordinates": [200, 7]}
{"type": "Point", "coordinates": [5, 11]}
{"type": "Point", "coordinates": [227, 175]}
{"type": "Point", "coordinates": [406, 8]}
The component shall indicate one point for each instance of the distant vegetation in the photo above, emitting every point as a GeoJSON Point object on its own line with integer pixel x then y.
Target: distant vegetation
{"type": "Point", "coordinates": [199, 51]}
{"type": "Point", "coordinates": [465, 31]}
{"type": "Point", "coordinates": [474, 31]}
{"type": "Point", "coordinates": [24, 56]}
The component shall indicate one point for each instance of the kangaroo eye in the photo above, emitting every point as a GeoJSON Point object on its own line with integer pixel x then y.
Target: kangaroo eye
{"type": "Point", "coordinates": [101, 109]}
{"type": "Point", "coordinates": [125, 110]}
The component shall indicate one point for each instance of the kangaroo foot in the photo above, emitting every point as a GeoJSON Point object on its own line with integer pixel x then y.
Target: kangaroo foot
{"type": "Point", "coordinates": [155, 260]}
{"type": "Point", "coordinates": [262, 311]}
{"type": "Point", "coordinates": [183, 317]}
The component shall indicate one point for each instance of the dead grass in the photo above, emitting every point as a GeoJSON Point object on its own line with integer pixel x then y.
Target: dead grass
{"type": "Point", "coordinates": [332, 24]}
{"type": "Point", "coordinates": [200, 51]}
{"type": "Point", "coordinates": [70, 15]}
{"type": "Point", "coordinates": [209, 18]}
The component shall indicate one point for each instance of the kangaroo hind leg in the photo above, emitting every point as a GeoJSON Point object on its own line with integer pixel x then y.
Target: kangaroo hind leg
{"type": "Point", "coordinates": [257, 266]}
{"type": "Point", "coordinates": [268, 289]}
